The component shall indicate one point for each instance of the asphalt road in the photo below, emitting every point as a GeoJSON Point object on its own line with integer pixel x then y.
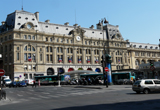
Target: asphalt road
{"type": "Point", "coordinates": [120, 97]}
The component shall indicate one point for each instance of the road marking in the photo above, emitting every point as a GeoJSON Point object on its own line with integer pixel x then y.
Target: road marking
{"type": "Point", "coordinates": [34, 98]}
{"type": "Point", "coordinates": [19, 95]}
{"type": "Point", "coordinates": [45, 93]}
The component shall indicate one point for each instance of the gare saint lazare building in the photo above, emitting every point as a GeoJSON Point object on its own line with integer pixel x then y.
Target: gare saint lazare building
{"type": "Point", "coordinates": [31, 47]}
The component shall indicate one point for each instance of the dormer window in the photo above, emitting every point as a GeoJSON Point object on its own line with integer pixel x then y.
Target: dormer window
{"type": "Point", "coordinates": [140, 46]}
{"type": "Point", "coordinates": [151, 47]}
{"type": "Point", "coordinates": [35, 25]}
{"type": "Point", "coordinates": [33, 19]}
{"type": "Point", "coordinates": [66, 28]}
{"type": "Point", "coordinates": [19, 17]}
{"type": "Point", "coordinates": [100, 33]}
{"type": "Point", "coordinates": [93, 32]}
{"type": "Point", "coordinates": [156, 47]}
{"type": "Point", "coordinates": [134, 46]}
{"type": "Point", "coordinates": [46, 26]}
{"type": "Point", "coordinates": [145, 46]}
{"type": "Point", "coordinates": [26, 18]}
{"type": "Point", "coordinates": [56, 27]}
{"type": "Point", "coordinates": [19, 23]}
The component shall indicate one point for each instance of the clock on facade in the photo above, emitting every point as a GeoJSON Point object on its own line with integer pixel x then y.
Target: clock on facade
{"type": "Point", "coordinates": [29, 26]}
{"type": "Point", "coordinates": [78, 38]}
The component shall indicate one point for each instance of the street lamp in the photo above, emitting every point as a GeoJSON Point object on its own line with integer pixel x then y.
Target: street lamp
{"type": "Point", "coordinates": [101, 22]}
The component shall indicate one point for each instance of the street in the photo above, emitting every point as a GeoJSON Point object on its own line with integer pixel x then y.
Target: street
{"type": "Point", "coordinates": [116, 97]}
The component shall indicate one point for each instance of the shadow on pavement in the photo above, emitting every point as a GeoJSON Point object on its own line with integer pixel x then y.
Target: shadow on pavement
{"type": "Point", "coordinates": [133, 105]}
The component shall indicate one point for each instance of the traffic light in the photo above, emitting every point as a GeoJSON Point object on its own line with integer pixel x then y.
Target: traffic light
{"type": "Point", "coordinates": [102, 61]}
{"type": "Point", "coordinates": [151, 64]}
{"type": "Point", "coordinates": [108, 58]}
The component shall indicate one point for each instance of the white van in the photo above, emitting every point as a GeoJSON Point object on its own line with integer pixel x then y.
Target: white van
{"type": "Point", "coordinates": [28, 81]}
{"type": "Point", "coordinates": [7, 82]}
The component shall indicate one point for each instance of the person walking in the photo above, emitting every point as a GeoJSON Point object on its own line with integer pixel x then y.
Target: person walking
{"type": "Point", "coordinates": [34, 84]}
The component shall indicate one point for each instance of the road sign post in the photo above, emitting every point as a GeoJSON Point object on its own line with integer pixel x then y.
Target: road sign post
{"type": "Point", "coordinates": [106, 69]}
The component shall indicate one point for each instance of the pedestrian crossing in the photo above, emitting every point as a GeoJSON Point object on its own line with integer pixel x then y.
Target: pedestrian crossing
{"type": "Point", "coordinates": [30, 94]}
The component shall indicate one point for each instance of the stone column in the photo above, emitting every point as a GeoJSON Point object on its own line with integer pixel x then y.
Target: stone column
{"type": "Point", "coordinates": [114, 58]}
{"type": "Point", "coordinates": [54, 55]}
{"type": "Point", "coordinates": [44, 54]}
{"type": "Point", "coordinates": [37, 55]}
{"type": "Point", "coordinates": [123, 58]}
{"type": "Point", "coordinates": [100, 55]}
{"type": "Point", "coordinates": [21, 54]}
{"type": "Point", "coordinates": [92, 56]}
{"type": "Point", "coordinates": [84, 56]}
{"type": "Point", "coordinates": [64, 55]}
{"type": "Point", "coordinates": [74, 55]}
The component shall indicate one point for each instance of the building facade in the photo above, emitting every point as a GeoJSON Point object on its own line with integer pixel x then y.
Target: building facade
{"type": "Point", "coordinates": [30, 47]}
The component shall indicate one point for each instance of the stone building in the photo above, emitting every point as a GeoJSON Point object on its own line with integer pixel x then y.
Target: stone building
{"type": "Point", "coordinates": [30, 47]}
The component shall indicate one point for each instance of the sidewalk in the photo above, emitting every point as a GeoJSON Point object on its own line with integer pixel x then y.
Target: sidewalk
{"type": "Point", "coordinates": [98, 86]}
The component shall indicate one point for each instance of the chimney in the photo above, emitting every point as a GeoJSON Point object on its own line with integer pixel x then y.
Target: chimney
{"type": "Point", "coordinates": [37, 15]}
{"type": "Point", "coordinates": [67, 23]}
{"type": "Point", "coordinates": [75, 25]}
{"type": "Point", "coordinates": [3, 22]}
{"type": "Point", "coordinates": [92, 27]}
{"type": "Point", "coordinates": [47, 21]}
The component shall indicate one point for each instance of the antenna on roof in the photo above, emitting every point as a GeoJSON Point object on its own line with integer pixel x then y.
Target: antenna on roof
{"type": "Point", "coordinates": [75, 16]}
{"type": "Point", "coordinates": [22, 4]}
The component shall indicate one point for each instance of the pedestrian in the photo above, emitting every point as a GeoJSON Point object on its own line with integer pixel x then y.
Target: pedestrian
{"type": "Point", "coordinates": [39, 83]}
{"type": "Point", "coordinates": [3, 83]}
{"type": "Point", "coordinates": [34, 84]}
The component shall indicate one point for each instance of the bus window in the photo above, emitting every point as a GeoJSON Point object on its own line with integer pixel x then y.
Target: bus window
{"type": "Point", "coordinates": [132, 74]}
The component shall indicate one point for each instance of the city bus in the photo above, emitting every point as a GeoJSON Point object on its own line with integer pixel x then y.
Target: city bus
{"type": "Point", "coordinates": [123, 77]}
{"type": "Point", "coordinates": [51, 79]}
{"type": "Point", "coordinates": [117, 77]}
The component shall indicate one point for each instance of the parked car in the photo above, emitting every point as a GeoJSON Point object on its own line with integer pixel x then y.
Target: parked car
{"type": "Point", "coordinates": [28, 81]}
{"type": "Point", "coordinates": [21, 84]}
{"type": "Point", "coordinates": [13, 84]}
{"type": "Point", "coordinates": [7, 82]}
{"type": "Point", "coordinates": [146, 86]}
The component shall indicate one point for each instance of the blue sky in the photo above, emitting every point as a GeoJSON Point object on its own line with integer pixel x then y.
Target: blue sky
{"type": "Point", "coordinates": [138, 20]}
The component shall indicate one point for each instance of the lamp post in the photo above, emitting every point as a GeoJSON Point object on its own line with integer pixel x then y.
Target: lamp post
{"type": "Point", "coordinates": [101, 22]}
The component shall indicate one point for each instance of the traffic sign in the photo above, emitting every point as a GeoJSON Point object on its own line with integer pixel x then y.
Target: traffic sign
{"type": "Point", "coordinates": [106, 69]}
{"type": "Point", "coordinates": [152, 68]}
{"type": "Point", "coordinates": [2, 72]}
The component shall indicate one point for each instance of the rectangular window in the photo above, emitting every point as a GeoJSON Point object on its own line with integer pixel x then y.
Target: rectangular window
{"type": "Point", "coordinates": [1, 39]}
{"type": "Point", "coordinates": [40, 57]}
{"type": "Point", "coordinates": [29, 37]}
{"type": "Point", "coordinates": [30, 76]}
{"type": "Point", "coordinates": [10, 37]}
{"type": "Point", "coordinates": [5, 38]}
{"type": "Point", "coordinates": [33, 37]}
{"type": "Point", "coordinates": [25, 36]}
{"type": "Point", "coordinates": [17, 56]}
{"type": "Point", "coordinates": [50, 39]}
{"type": "Point", "coordinates": [10, 58]}
{"type": "Point", "coordinates": [50, 57]}
{"type": "Point", "coordinates": [50, 49]}
{"type": "Point", "coordinates": [47, 49]}
{"type": "Point", "coordinates": [57, 49]}
{"type": "Point", "coordinates": [47, 57]}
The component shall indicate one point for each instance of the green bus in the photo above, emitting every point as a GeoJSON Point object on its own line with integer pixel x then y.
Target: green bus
{"type": "Point", "coordinates": [51, 79]}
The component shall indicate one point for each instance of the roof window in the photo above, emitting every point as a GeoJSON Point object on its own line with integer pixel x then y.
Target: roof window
{"type": "Point", "coordinates": [46, 26]}
{"type": "Point", "coordinates": [56, 27]}
{"type": "Point", "coordinates": [33, 19]}
{"type": "Point", "coordinates": [93, 32]}
{"type": "Point", "coordinates": [66, 28]}
{"type": "Point", "coordinates": [19, 23]}
{"type": "Point", "coordinates": [19, 17]}
{"type": "Point", "coordinates": [26, 18]}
